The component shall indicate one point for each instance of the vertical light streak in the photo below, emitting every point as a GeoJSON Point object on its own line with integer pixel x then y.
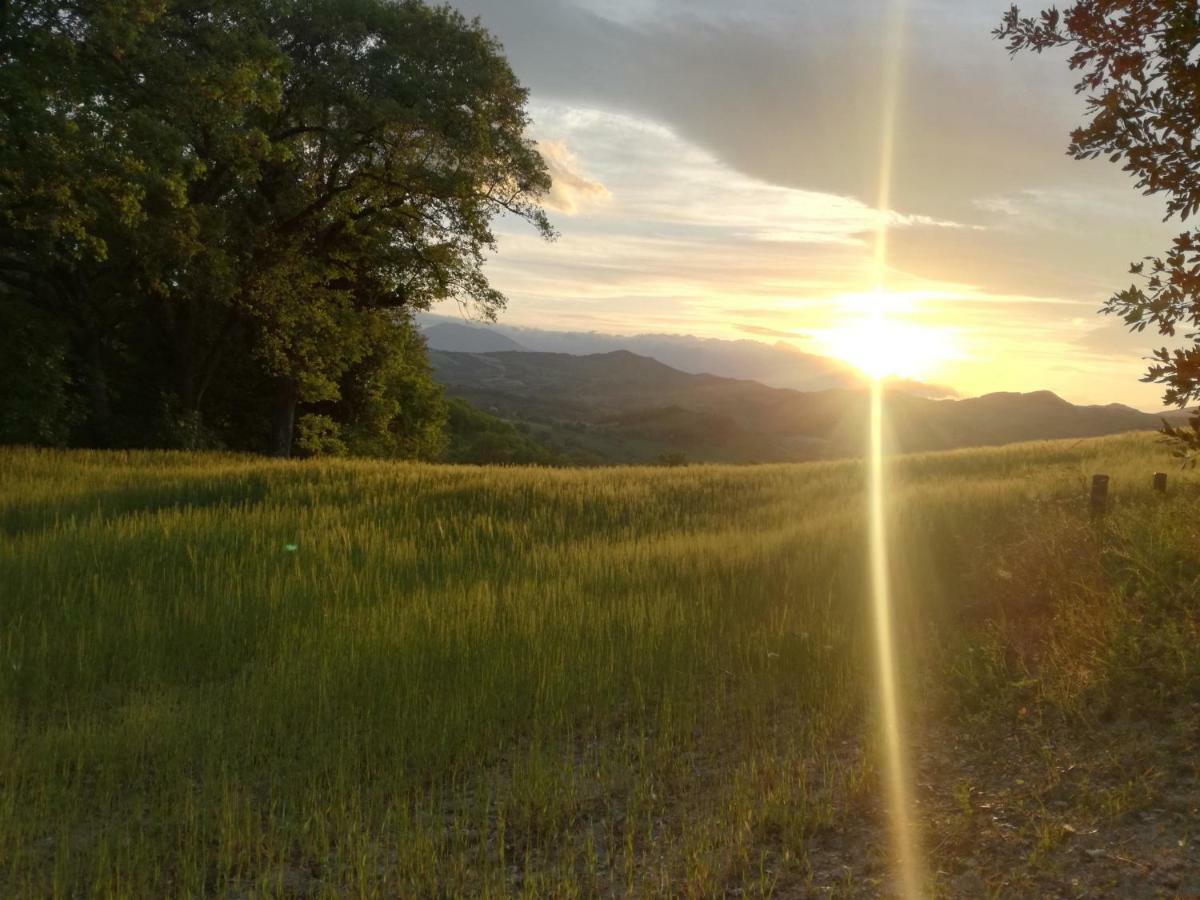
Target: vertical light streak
{"type": "Point", "coordinates": [895, 757]}
{"type": "Point", "coordinates": [896, 769]}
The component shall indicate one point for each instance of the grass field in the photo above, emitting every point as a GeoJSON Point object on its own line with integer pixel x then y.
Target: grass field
{"type": "Point", "coordinates": [224, 676]}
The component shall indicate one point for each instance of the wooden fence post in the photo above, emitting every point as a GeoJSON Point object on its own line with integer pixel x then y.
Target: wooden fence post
{"type": "Point", "coordinates": [1099, 494]}
{"type": "Point", "coordinates": [1160, 482]}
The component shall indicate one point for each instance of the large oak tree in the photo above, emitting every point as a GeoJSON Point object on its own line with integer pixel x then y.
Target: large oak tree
{"type": "Point", "coordinates": [216, 218]}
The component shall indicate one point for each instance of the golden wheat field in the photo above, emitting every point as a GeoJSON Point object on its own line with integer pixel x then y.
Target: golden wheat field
{"type": "Point", "coordinates": [230, 677]}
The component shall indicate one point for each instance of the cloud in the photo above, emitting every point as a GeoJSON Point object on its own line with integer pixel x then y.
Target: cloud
{"type": "Point", "coordinates": [1058, 209]}
{"type": "Point", "coordinates": [660, 177]}
{"type": "Point", "coordinates": [683, 240]}
{"type": "Point", "coordinates": [763, 331]}
{"type": "Point", "coordinates": [793, 93]}
{"type": "Point", "coordinates": [571, 191]}
{"type": "Point", "coordinates": [1112, 340]}
{"type": "Point", "coordinates": [718, 163]}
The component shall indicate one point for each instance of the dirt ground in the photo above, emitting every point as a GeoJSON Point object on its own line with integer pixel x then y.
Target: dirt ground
{"type": "Point", "coordinates": [1037, 813]}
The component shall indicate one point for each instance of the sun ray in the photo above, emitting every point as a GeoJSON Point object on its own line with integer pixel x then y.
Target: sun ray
{"type": "Point", "coordinates": [895, 761]}
{"type": "Point", "coordinates": [880, 346]}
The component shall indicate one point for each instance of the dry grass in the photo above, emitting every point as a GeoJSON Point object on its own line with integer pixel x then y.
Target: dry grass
{"type": "Point", "coordinates": [500, 682]}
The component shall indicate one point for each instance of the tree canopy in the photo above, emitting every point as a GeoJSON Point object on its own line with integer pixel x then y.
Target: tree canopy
{"type": "Point", "coordinates": [217, 218]}
{"type": "Point", "coordinates": [1141, 74]}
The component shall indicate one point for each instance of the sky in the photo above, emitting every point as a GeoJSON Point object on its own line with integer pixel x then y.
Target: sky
{"type": "Point", "coordinates": [716, 169]}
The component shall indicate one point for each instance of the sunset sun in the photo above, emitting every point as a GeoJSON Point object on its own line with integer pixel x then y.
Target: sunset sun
{"type": "Point", "coordinates": [882, 346]}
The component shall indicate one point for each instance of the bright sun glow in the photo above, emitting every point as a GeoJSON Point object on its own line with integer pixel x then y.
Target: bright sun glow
{"type": "Point", "coordinates": [882, 347]}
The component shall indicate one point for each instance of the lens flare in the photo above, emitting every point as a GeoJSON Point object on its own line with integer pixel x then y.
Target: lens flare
{"type": "Point", "coordinates": [895, 763]}
{"type": "Point", "coordinates": [878, 345]}
{"type": "Point", "coordinates": [896, 769]}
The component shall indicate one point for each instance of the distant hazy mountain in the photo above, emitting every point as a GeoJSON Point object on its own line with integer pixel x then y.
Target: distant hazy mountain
{"type": "Point", "coordinates": [622, 407]}
{"type": "Point", "coordinates": [775, 365]}
{"type": "Point", "coordinates": [461, 338]}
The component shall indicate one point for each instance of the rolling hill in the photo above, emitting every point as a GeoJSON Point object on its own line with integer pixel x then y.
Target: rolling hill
{"type": "Point", "coordinates": [777, 364]}
{"type": "Point", "coordinates": [623, 407]}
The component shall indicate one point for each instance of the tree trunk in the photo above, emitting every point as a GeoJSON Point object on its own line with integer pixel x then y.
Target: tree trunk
{"type": "Point", "coordinates": [89, 339]}
{"type": "Point", "coordinates": [285, 418]}
{"type": "Point", "coordinates": [96, 385]}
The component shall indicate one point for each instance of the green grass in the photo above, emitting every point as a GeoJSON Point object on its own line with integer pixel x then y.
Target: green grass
{"type": "Point", "coordinates": [534, 682]}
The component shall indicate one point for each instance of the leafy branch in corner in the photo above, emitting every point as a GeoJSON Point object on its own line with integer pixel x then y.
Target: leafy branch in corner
{"type": "Point", "coordinates": [1141, 78]}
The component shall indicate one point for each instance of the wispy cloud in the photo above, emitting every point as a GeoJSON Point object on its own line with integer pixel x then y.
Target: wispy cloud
{"type": "Point", "coordinates": [571, 191]}
{"type": "Point", "coordinates": [659, 235]}
{"type": "Point", "coordinates": [662, 178]}
{"type": "Point", "coordinates": [763, 331]}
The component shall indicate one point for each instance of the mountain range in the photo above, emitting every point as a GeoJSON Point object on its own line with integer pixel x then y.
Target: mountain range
{"type": "Point", "coordinates": [775, 365]}
{"type": "Point", "coordinates": [624, 407]}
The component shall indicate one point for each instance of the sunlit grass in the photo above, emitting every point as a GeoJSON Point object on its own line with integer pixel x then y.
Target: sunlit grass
{"type": "Point", "coordinates": [490, 681]}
